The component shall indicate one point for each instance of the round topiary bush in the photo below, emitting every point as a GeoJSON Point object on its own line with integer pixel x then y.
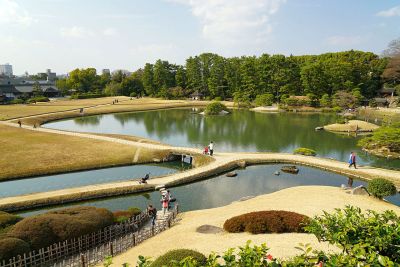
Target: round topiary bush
{"type": "Point", "coordinates": [11, 247]}
{"type": "Point", "coordinates": [305, 151]}
{"type": "Point", "coordinates": [381, 188]}
{"type": "Point", "coordinates": [7, 219]}
{"type": "Point", "coordinates": [271, 221]}
{"type": "Point", "coordinates": [215, 108]}
{"type": "Point", "coordinates": [178, 255]}
{"type": "Point", "coordinates": [56, 226]}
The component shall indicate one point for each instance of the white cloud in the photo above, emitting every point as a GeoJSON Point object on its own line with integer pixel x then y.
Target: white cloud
{"type": "Point", "coordinates": [110, 32]}
{"type": "Point", "coordinates": [12, 13]}
{"type": "Point", "coordinates": [341, 40]}
{"type": "Point", "coordinates": [391, 12]}
{"type": "Point", "coordinates": [226, 21]}
{"type": "Point", "coordinates": [76, 32]}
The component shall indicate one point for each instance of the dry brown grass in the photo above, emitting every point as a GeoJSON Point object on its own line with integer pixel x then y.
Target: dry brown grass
{"type": "Point", "coordinates": [136, 105]}
{"type": "Point", "coordinates": [16, 111]}
{"type": "Point", "coordinates": [352, 126]}
{"type": "Point", "coordinates": [28, 153]}
{"type": "Point", "coordinates": [125, 104]}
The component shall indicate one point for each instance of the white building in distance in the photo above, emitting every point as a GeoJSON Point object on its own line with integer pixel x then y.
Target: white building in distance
{"type": "Point", "coordinates": [6, 70]}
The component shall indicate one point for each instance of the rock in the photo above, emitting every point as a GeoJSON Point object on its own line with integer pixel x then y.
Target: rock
{"type": "Point", "coordinates": [209, 229]}
{"type": "Point", "coordinates": [360, 190]}
{"type": "Point", "coordinates": [231, 174]}
{"type": "Point", "coordinates": [277, 173]}
{"type": "Point", "coordinates": [246, 198]}
{"type": "Point", "coordinates": [160, 186]}
{"type": "Point", "coordinates": [241, 164]}
{"type": "Point", "coordinates": [319, 128]}
{"type": "Point", "coordinates": [156, 160]}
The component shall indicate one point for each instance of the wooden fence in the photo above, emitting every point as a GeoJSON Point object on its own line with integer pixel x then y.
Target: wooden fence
{"type": "Point", "coordinates": [93, 248]}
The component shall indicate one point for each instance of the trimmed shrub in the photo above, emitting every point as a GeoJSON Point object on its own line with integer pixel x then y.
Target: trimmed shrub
{"type": "Point", "coordinates": [124, 215]}
{"type": "Point", "coordinates": [271, 221]}
{"type": "Point", "coordinates": [7, 219]}
{"type": "Point", "coordinates": [337, 109]}
{"type": "Point", "coordinates": [86, 95]}
{"type": "Point", "coordinates": [305, 151]}
{"type": "Point", "coordinates": [11, 247]}
{"type": "Point", "coordinates": [178, 255]}
{"type": "Point", "coordinates": [218, 98]}
{"type": "Point", "coordinates": [46, 229]}
{"type": "Point", "coordinates": [264, 100]}
{"type": "Point", "coordinates": [16, 101]}
{"type": "Point", "coordinates": [214, 108]}
{"type": "Point", "coordinates": [38, 99]}
{"type": "Point", "coordinates": [381, 188]}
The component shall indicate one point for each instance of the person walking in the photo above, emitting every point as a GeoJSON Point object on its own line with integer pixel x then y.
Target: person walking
{"type": "Point", "coordinates": [20, 123]}
{"type": "Point", "coordinates": [152, 211]}
{"type": "Point", "coordinates": [352, 160]}
{"type": "Point", "coordinates": [211, 148]}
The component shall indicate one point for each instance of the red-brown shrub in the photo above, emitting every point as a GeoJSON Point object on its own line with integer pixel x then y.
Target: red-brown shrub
{"type": "Point", "coordinates": [272, 221]}
{"type": "Point", "coordinates": [123, 215]}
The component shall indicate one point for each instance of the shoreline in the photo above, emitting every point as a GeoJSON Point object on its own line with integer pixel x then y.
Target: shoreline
{"type": "Point", "coordinates": [301, 199]}
{"type": "Point", "coordinates": [224, 162]}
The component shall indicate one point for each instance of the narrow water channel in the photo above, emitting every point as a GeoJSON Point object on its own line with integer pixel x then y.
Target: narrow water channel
{"type": "Point", "coordinates": [221, 190]}
{"type": "Point", "coordinates": [76, 179]}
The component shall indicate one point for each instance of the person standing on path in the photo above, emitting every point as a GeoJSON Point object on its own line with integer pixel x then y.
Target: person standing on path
{"type": "Point", "coordinates": [20, 123]}
{"type": "Point", "coordinates": [352, 160]}
{"type": "Point", "coordinates": [152, 211]}
{"type": "Point", "coordinates": [165, 202]}
{"type": "Point", "coordinates": [211, 148]}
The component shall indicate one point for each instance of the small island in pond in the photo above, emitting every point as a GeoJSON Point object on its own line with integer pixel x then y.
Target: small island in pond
{"type": "Point", "coordinates": [356, 126]}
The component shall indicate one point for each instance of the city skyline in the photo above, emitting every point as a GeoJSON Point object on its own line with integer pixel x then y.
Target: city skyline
{"type": "Point", "coordinates": [62, 35]}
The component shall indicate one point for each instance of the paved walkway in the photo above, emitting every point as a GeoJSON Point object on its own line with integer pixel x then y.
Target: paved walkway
{"type": "Point", "coordinates": [223, 162]}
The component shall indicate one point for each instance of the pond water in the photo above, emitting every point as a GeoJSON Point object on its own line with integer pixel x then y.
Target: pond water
{"type": "Point", "coordinates": [221, 190]}
{"type": "Point", "coordinates": [242, 130]}
{"type": "Point", "coordinates": [76, 179]}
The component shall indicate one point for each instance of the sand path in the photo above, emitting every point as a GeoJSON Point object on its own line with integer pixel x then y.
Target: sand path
{"type": "Point", "coordinates": [307, 200]}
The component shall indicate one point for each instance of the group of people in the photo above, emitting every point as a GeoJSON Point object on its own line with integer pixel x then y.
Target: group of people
{"type": "Point", "coordinates": [352, 160]}
{"type": "Point", "coordinates": [209, 150]}
{"type": "Point", "coordinates": [166, 199]}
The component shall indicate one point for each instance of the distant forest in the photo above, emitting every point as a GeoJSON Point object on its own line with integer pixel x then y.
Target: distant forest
{"type": "Point", "coordinates": [216, 77]}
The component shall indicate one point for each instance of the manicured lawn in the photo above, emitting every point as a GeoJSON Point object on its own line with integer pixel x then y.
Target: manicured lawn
{"type": "Point", "coordinates": [27, 153]}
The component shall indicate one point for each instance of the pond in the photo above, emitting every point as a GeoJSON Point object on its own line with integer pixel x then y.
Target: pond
{"type": "Point", "coordinates": [221, 190]}
{"type": "Point", "coordinates": [76, 179]}
{"type": "Point", "coordinates": [242, 130]}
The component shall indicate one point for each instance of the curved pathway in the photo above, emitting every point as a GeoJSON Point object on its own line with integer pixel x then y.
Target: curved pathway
{"type": "Point", "coordinates": [222, 163]}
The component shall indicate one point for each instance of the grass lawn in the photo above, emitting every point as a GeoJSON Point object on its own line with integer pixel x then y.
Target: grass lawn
{"type": "Point", "coordinates": [28, 153]}
{"type": "Point", "coordinates": [15, 111]}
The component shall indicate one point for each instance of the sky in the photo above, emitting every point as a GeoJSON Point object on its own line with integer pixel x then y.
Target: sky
{"type": "Point", "coordinates": [62, 35]}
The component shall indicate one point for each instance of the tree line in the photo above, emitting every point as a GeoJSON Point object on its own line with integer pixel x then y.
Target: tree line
{"type": "Point", "coordinates": [277, 76]}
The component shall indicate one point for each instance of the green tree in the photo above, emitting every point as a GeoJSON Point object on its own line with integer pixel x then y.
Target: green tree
{"type": "Point", "coordinates": [148, 80]}
{"type": "Point", "coordinates": [325, 101]}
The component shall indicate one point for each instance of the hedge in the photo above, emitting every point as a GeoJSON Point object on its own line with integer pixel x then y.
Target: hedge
{"type": "Point", "coordinates": [7, 219]}
{"type": "Point", "coordinates": [124, 215]}
{"type": "Point", "coordinates": [271, 221]}
{"type": "Point", "coordinates": [11, 247]}
{"type": "Point", "coordinates": [56, 226]}
{"type": "Point", "coordinates": [178, 255]}
{"type": "Point", "coordinates": [87, 95]}
{"type": "Point", "coordinates": [381, 188]}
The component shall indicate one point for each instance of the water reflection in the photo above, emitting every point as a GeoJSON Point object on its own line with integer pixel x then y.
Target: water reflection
{"type": "Point", "coordinates": [242, 130]}
{"type": "Point", "coordinates": [222, 190]}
